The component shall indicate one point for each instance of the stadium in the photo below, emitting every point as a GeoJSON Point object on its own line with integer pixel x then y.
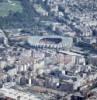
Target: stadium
{"type": "Point", "coordinates": [51, 42]}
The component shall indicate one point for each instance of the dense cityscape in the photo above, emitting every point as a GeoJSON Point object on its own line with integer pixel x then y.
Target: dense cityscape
{"type": "Point", "coordinates": [48, 50]}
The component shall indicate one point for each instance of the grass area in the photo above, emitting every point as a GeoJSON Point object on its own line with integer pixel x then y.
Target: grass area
{"type": "Point", "coordinates": [10, 5]}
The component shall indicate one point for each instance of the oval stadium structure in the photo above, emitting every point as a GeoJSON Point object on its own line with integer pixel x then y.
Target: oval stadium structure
{"type": "Point", "coordinates": [51, 41]}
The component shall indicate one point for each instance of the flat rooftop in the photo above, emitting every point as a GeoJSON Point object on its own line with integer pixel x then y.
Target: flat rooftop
{"type": "Point", "coordinates": [12, 93]}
